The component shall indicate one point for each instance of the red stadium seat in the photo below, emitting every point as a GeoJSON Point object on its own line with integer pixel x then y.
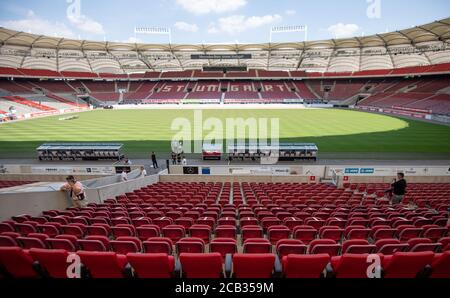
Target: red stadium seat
{"type": "Point", "coordinates": [6, 241]}
{"type": "Point", "coordinates": [123, 230]}
{"type": "Point", "coordinates": [91, 245]}
{"type": "Point", "coordinates": [190, 245]}
{"type": "Point", "coordinates": [305, 266]}
{"type": "Point", "coordinates": [406, 264]}
{"type": "Point", "coordinates": [63, 244]}
{"type": "Point", "coordinates": [103, 264]}
{"type": "Point", "coordinates": [441, 265]}
{"type": "Point", "coordinates": [104, 243]}
{"type": "Point", "coordinates": [382, 232]}
{"type": "Point", "coordinates": [257, 245]}
{"type": "Point", "coordinates": [305, 233]}
{"type": "Point", "coordinates": [226, 231]}
{"type": "Point", "coordinates": [390, 246]}
{"type": "Point", "coordinates": [357, 232]}
{"type": "Point", "coordinates": [147, 231]}
{"type": "Point", "coordinates": [357, 246]}
{"type": "Point", "coordinates": [6, 227]}
{"type": "Point", "coordinates": [445, 241]}
{"type": "Point", "coordinates": [154, 265]}
{"type": "Point", "coordinates": [28, 242]}
{"type": "Point", "coordinates": [331, 232]}
{"type": "Point", "coordinates": [251, 231]}
{"type": "Point", "coordinates": [174, 232]}
{"type": "Point", "coordinates": [276, 233]}
{"type": "Point", "coordinates": [158, 245]}
{"type": "Point", "coordinates": [223, 246]}
{"type": "Point", "coordinates": [423, 244]}
{"type": "Point", "coordinates": [286, 247]}
{"type": "Point", "coordinates": [52, 261]}
{"type": "Point", "coordinates": [201, 231]}
{"type": "Point", "coordinates": [351, 265]}
{"type": "Point", "coordinates": [17, 263]}
{"type": "Point", "coordinates": [97, 229]}
{"type": "Point", "coordinates": [51, 229]}
{"type": "Point", "coordinates": [25, 229]}
{"type": "Point", "coordinates": [253, 265]}
{"type": "Point", "coordinates": [41, 236]}
{"type": "Point", "coordinates": [185, 222]}
{"type": "Point", "coordinates": [248, 221]}
{"type": "Point", "coordinates": [73, 230]}
{"type": "Point", "coordinates": [434, 232]}
{"type": "Point", "coordinates": [126, 244]}
{"type": "Point", "coordinates": [406, 232]}
{"type": "Point", "coordinates": [207, 265]}
{"type": "Point", "coordinates": [322, 246]}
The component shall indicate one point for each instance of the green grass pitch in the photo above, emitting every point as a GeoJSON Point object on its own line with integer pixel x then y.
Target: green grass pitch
{"type": "Point", "coordinates": [143, 131]}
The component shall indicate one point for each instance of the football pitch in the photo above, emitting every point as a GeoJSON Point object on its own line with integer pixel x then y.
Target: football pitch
{"type": "Point", "coordinates": [143, 131]}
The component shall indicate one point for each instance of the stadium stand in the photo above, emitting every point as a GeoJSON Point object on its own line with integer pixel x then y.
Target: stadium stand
{"type": "Point", "coordinates": [153, 227]}
{"type": "Point", "coordinates": [426, 95]}
{"type": "Point", "coordinates": [29, 103]}
{"type": "Point", "coordinates": [54, 86]}
{"type": "Point", "coordinates": [6, 184]}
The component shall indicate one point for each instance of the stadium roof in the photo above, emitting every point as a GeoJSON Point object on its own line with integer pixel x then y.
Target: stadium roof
{"type": "Point", "coordinates": [437, 32]}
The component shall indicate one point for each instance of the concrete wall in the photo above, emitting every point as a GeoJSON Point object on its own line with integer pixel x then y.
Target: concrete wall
{"type": "Point", "coordinates": [44, 177]}
{"type": "Point", "coordinates": [230, 178]}
{"type": "Point", "coordinates": [45, 172]}
{"type": "Point", "coordinates": [298, 179]}
{"type": "Point", "coordinates": [32, 203]}
{"type": "Point", "coordinates": [410, 179]}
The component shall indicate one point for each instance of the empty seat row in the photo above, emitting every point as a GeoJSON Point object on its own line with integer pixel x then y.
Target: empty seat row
{"type": "Point", "coordinates": [19, 263]}
{"type": "Point", "coordinates": [155, 244]}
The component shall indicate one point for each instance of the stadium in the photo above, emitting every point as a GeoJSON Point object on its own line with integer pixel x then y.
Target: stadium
{"type": "Point", "coordinates": [196, 160]}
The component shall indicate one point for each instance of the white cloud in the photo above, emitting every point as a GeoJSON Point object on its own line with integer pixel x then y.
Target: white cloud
{"type": "Point", "coordinates": [239, 23]}
{"type": "Point", "coordinates": [183, 26]}
{"type": "Point", "coordinates": [86, 24]}
{"type": "Point", "coordinates": [341, 30]}
{"type": "Point", "coordinates": [34, 24]}
{"type": "Point", "coordinates": [212, 29]}
{"type": "Point", "coordinates": [290, 12]}
{"type": "Point", "coordinates": [209, 6]}
{"type": "Point", "coordinates": [132, 39]}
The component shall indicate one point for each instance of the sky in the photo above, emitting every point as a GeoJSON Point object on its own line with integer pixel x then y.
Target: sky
{"type": "Point", "coordinates": [216, 21]}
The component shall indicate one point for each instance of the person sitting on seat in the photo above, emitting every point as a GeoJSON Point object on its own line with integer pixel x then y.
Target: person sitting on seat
{"type": "Point", "coordinates": [398, 189]}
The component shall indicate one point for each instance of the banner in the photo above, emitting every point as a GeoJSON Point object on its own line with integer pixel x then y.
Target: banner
{"type": "Point", "coordinates": [190, 170]}
{"type": "Point", "coordinates": [388, 171]}
{"type": "Point", "coordinates": [66, 170]}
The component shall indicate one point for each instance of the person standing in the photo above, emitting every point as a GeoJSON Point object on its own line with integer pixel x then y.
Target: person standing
{"type": "Point", "coordinates": [154, 161]}
{"type": "Point", "coordinates": [398, 189]}
{"type": "Point", "coordinates": [143, 172]}
{"type": "Point", "coordinates": [174, 158]}
{"type": "Point", "coordinates": [124, 176]}
{"type": "Point", "coordinates": [76, 190]}
{"type": "Point", "coordinates": [184, 161]}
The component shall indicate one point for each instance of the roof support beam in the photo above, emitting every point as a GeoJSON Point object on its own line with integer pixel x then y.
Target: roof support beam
{"type": "Point", "coordinates": [387, 50]}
